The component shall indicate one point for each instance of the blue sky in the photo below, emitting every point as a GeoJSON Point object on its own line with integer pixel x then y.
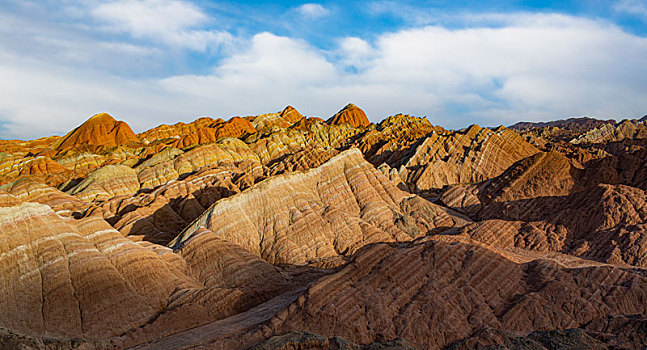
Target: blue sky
{"type": "Point", "coordinates": [457, 62]}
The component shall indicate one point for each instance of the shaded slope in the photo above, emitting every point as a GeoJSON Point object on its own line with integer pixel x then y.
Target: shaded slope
{"type": "Point", "coordinates": [468, 156]}
{"type": "Point", "coordinates": [82, 279]}
{"type": "Point", "coordinates": [324, 213]}
{"type": "Point", "coordinates": [435, 293]}
{"type": "Point", "coordinates": [626, 129]}
{"type": "Point", "coordinates": [394, 138]}
{"type": "Point", "coordinates": [545, 203]}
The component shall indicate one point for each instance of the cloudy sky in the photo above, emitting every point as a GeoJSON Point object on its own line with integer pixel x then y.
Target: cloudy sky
{"type": "Point", "coordinates": [457, 62]}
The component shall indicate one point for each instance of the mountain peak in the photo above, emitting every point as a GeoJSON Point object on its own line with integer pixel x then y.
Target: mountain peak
{"type": "Point", "coordinates": [350, 114]}
{"type": "Point", "coordinates": [291, 115]}
{"type": "Point", "coordinates": [99, 130]}
{"type": "Point", "coordinates": [101, 117]}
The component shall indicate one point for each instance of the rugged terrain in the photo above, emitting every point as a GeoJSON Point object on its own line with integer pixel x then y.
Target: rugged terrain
{"type": "Point", "coordinates": [285, 231]}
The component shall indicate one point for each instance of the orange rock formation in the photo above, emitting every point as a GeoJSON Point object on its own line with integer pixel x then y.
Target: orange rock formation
{"type": "Point", "coordinates": [351, 115]}
{"type": "Point", "coordinates": [100, 130]}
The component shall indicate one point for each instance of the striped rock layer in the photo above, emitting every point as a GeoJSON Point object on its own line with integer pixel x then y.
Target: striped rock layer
{"type": "Point", "coordinates": [351, 115]}
{"type": "Point", "coordinates": [100, 130]}
{"type": "Point", "coordinates": [468, 156]}
{"type": "Point", "coordinates": [323, 213]}
{"type": "Point", "coordinates": [81, 279]}
{"type": "Point", "coordinates": [546, 203]}
{"type": "Point", "coordinates": [450, 290]}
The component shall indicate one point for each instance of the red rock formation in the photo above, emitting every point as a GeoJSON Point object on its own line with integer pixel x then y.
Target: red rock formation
{"type": "Point", "coordinates": [30, 190]}
{"type": "Point", "coordinates": [307, 158]}
{"type": "Point", "coordinates": [351, 115]}
{"type": "Point", "coordinates": [176, 130]}
{"type": "Point", "coordinates": [306, 123]}
{"type": "Point", "coordinates": [268, 122]}
{"type": "Point", "coordinates": [27, 147]}
{"type": "Point", "coordinates": [291, 115]}
{"type": "Point", "coordinates": [540, 175]}
{"type": "Point", "coordinates": [164, 170]}
{"type": "Point", "coordinates": [161, 215]}
{"type": "Point", "coordinates": [107, 182]}
{"type": "Point", "coordinates": [100, 130]}
{"type": "Point", "coordinates": [234, 127]}
{"type": "Point", "coordinates": [51, 289]}
{"type": "Point", "coordinates": [284, 119]}
{"type": "Point", "coordinates": [279, 143]}
{"type": "Point", "coordinates": [42, 168]}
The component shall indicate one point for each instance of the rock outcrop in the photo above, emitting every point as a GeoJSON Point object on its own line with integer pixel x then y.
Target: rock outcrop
{"type": "Point", "coordinates": [626, 129]}
{"type": "Point", "coordinates": [160, 172]}
{"type": "Point", "coordinates": [540, 175]}
{"type": "Point", "coordinates": [30, 190]}
{"type": "Point", "coordinates": [44, 169]}
{"type": "Point", "coordinates": [575, 338]}
{"type": "Point", "coordinates": [436, 293]}
{"type": "Point", "coordinates": [100, 130]}
{"type": "Point", "coordinates": [560, 130]}
{"type": "Point", "coordinates": [23, 148]}
{"type": "Point", "coordinates": [544, 199]}
{"type": "Point", "coordinates": [291, 115]}
{"type": "Point", "coordinates": [395, 138]}
{"type": "Point", "coordinates": [468, 156]}
{"type": "Point", "coordinates": [160, 215]}
{"type": "Point", "coordinates": [82, 279]}
{"type": "Point", "coordinates": [322, 214]}
{"type": "Point", "coordinates": [107, 182]}
{"type": "Point", "coordinates": [284, 119]}
{"type": "Point", "coordinates": [235, 127]}
{"type": "Point", "coordinates": [177, 130]}
{"type": "Point", "coordinates": [351, 115]}
{"type": "Point", "coordinates": [313, 341]}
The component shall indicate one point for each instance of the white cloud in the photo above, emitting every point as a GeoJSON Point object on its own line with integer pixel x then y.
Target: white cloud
{"type": "Point", "coordinates": [632, 7]}
{"type": "Point", "coordinates": [38, 100]}
{"type": "Point", "coordinates": [31, 38]}
{"type": "Point", "coordinates": [313, 10]}
{"type": "Point", "coordinates": [529, 67]}
{"type": "Point", "coordinates": [535, 67]}
{"type": "Point", "coordinates": [355, 52]}
{"type": "Point", "coordinates": [271, 72]}
{"type": "Point", "coordinates": [173, 22]}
